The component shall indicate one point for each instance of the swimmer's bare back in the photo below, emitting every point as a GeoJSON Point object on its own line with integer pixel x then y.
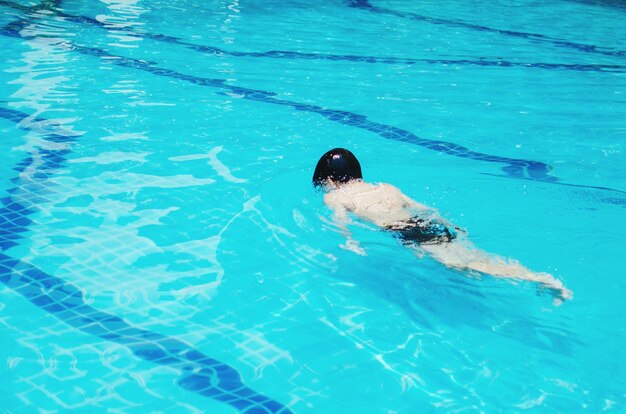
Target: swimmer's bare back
{"type": "Point", "coordinates": [388, 208]}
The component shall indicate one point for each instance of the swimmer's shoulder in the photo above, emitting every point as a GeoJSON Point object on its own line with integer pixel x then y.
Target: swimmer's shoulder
{"type": "Point", "coordinates": [338, 197]}
{"type": "Point", "coordinates": [367, 191]}
{"type": "Point", "coordinates": [346, 195]}
{"type": "Point", "coordinates": [362, 189]}
{"type": "Point", "coordinates": [354, 188]}
{"type": "Point", "coordinates": [394, 193]}
{"type": "Point", "coordinates": [390, 190]}
{"type": "Point", "coordinates": [388, 187]}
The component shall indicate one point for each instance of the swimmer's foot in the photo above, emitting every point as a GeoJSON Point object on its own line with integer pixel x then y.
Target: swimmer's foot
{"type": "Point", "coordinates": [559, 292]}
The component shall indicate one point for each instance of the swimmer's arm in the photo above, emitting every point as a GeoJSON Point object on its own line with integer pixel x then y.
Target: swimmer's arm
{"type": "Point", "coordinates": [340, 211]}
{"type": "Point", "coordinates": [341, 219]}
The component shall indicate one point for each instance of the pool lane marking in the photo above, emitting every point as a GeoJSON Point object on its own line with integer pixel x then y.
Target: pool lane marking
{"type": "Point", "coordinates": [199, 373]}
{"type": "Point", "coordinates": [516, 168]}
{"type": "Point", "coordinates": [535, 37]}
{"type": "Point", "coordinates": [282, 54]}
{"type": "Point", "coordinates": [535, 170]}
{"type": "Point", "coordinates": [566, 184]}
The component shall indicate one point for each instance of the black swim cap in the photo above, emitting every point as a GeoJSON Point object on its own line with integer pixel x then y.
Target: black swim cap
{"type": "Point", "coordinates": [339, 165]}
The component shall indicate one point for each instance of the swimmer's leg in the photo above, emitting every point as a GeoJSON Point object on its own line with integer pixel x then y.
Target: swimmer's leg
{"type": "Point", "coordinates": [462, 255]}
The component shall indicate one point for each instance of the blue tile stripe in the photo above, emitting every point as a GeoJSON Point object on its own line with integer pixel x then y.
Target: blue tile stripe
{"type": "Point", "coordinates": [518, 168]}
{"type": "Point", "coordinates": [534, 37]}
{"type": "Point", "coordinates": [199, 373]}
{"type": "Point", "coordinates": [514, 168]}
{"type": "Point", "coordinates": [290, 55]}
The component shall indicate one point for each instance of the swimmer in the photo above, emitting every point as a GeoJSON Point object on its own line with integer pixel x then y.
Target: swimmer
{"type": "Point", "coordinates": [338, 174]}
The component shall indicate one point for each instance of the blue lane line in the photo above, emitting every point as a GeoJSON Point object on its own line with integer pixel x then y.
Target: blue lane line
{"type": "Point", "coordinates": [515, 168]}
{"type": "Point", "coordinates": [283, 54]}
{"type": "Point", "coordinates": [200, 373]}
{"type": "Point", "coordinates": [518, 168]}
{"type": "Point", "coordinates": [366, 5]}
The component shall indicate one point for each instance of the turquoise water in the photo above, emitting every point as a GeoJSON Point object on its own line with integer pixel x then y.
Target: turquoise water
{"type": "Point", "coordinates": [164, 251]}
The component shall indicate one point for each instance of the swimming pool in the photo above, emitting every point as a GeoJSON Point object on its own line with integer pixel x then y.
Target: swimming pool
{"type": "Point", "coordinates": [163, 249]}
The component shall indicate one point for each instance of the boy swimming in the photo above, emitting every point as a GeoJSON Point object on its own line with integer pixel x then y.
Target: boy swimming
{"type": "Point", "coordinates": [338, 174]}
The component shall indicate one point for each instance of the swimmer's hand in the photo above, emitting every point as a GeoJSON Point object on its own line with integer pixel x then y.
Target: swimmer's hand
{"type": "Point", "coordinates": [353, 246]}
